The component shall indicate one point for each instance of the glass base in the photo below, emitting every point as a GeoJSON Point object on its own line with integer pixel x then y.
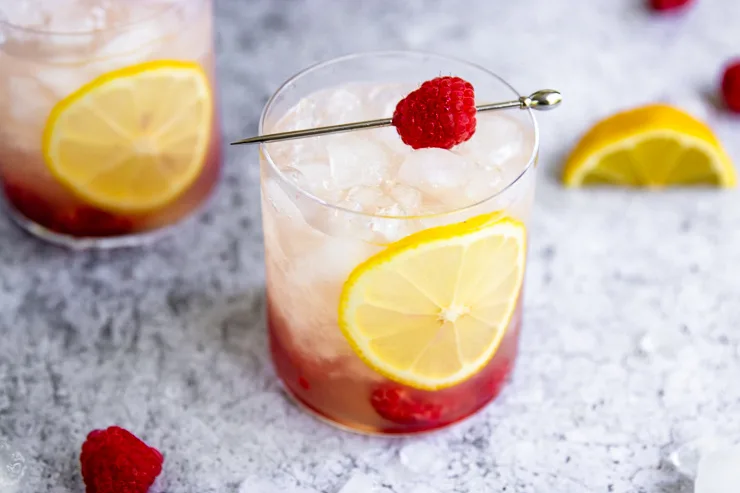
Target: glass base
{"type": "Point", "coordinates": [94, 242]}
{"type": "Point", "coordinates": [369, 431]}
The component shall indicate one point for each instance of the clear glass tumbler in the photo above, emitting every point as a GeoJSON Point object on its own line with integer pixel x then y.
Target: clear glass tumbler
{"type": "Point", "coordinates": [358, 337]}
{"type": "Point", "coordinates": [110, 124]}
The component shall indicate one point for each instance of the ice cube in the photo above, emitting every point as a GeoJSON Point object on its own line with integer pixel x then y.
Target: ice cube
{"type": "Point", "coordinates": [337, 106]}
{"type": "Point", "coordinates": [280, 200]}
{"type": "Point", "coordinates": [332, 261]}
{"type": "Point", "coordinates": [719, 471]}
{"type": "Point", "coordinates": [483, 184]}
{"type": "Point", "coordinates": [497, 139]}
{"type": "Point", "coordinates": [391, 230]}
{"type": "Point", "coordinates": [355, 162]}
{"type": "Point", "coordinates": [29, 100]}
{"type": "Point", "coordinates": [368, 199]}
{"type": "Point", "coordinates": [300, 117]}
{"type": "Point", "coordinates": [388, 136]}
{"type": "Point", "coordinates": [312, 177]}
{"type": "Point", "coordinates": [131, 46]}
{"type": "Point", "coordinates": [359, 483]}
{"type": "Point", "coordinates": [407, 197]}
{"type": "Point", "coordinates": [12, 466]}
{"type": "Point", "coordinates": [382, 100]}
{"type": "Point", "coordinates": [685, 459]}
{"type": "Point", "coordinates": [437, 173]}
{"type": "Point", "coordinates": [62, 80]}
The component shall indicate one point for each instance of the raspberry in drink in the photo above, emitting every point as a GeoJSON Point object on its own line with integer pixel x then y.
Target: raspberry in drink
{"type": "Point", "coordinates": [394, 273]}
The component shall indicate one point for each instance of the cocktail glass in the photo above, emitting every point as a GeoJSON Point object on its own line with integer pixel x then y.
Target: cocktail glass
{"type": "Point", "coordinates": [110, 130]}
{"type": "Point", "coordinates": [334, 205]}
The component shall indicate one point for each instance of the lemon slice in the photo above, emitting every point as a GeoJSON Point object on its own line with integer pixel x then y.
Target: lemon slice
{"type": "Point", "coordinates": [430, 311]}
{"type": "Point", "coordinates": [134, 139]}
{"type": "Point", "coordinates": [653, 146]}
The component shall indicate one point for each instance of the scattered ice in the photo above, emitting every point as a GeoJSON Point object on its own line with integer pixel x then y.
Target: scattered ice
{"type": "Point", "coordinates": [359, 483]}
{"type": "Point", "coordinates": [685, 459]}
{"type": "Point", "coordinates": [12, 466]}
{"type": "Point", "coordinates": [719, 471]}
{"type": "Point", "coordinates": [355, 162]}
{"type": "Point", "coordinates": [422, 457]}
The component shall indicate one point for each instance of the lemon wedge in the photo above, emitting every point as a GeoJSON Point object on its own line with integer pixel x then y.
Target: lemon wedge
{"type": "Point", "coordinates": [134, 139]}
{"type": "Point", "coordinates": [653, 146]}
{"type": "Point", "coordinates": [431, 309]}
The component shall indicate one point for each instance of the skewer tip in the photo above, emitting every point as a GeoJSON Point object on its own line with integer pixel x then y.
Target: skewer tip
{"type": "Point", "coordinates": [544, 99]}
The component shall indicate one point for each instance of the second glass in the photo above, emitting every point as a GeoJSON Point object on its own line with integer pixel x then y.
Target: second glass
{"type": "Point", "coordinates": [394, 276]}
{"type": "Point", "coordinates": [110, 125]}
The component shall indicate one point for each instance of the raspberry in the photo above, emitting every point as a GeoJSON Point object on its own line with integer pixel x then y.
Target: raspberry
{"type": "Point", "coordinates": [441, 113]}
{"type": "Point", "coordinates": [115, 461]}
{"type": "Point", "coordinates": [661, 5]}
{"type": "Point", "coordinates": [731, 86]}
{"type": "Point", "coordinates": [397, 405]}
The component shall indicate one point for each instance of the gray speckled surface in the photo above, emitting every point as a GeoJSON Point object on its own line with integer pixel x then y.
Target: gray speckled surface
{"type": "Point", "coordinates": [169, 341]}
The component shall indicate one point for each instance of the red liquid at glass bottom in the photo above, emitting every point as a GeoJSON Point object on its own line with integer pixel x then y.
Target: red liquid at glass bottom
{"type": "Point", "coordinates": [43, 201]}
{"type": "Point", "coordinates": [380, 406]}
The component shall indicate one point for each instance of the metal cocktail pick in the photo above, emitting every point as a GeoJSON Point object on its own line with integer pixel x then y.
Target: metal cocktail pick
{"type": "Point", "coordinates": [544, 99]}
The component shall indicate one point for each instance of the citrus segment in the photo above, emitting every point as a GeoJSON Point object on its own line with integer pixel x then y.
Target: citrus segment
{"type": "Point", "coordinates": [653, 146]}
{"type": "Point", "coordinates": [430, 311]}
{"type": "Point", "coordinates": [134, 139]}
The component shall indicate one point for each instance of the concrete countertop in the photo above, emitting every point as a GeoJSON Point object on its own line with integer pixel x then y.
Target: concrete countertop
{"type": "Point", "coordinates": [630, 343]}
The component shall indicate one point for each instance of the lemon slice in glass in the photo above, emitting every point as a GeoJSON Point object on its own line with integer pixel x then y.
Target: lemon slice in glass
{"type": "Point", "coordinates": [431, 310]}
{"type": "Point", "coordinates": [134, 139]}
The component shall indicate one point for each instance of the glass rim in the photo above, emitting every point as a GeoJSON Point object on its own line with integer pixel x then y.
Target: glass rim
{"type": "Point", "coordinates": [385, 53]}
{"type": "Point", "coordinates": [118, 27]}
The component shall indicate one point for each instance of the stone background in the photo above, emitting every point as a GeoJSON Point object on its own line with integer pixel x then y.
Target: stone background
{"type": "Point", "coordinates": [630, 346]}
